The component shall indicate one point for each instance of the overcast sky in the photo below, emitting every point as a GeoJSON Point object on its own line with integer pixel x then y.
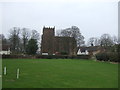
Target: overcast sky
{"type": "Point", "coordinates": [93, 18]}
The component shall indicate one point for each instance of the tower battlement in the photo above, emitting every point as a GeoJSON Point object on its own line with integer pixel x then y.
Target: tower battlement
{"type": "Point", "coordinates": [48, 28]}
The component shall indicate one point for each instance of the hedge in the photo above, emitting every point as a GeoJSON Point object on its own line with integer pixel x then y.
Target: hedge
{"type": "Point", "coordinates": [16, 56]}
{"type": "Point", "coordinates": [63, 56]}
{"type": "Point", "coordinates": [48, 56]}
{"type": "Point", "coordinates": [102, 56]}
{"type": "Point", "coordinates": [108, 56]}
{"type": "Point", "coordinates": [114, 57]}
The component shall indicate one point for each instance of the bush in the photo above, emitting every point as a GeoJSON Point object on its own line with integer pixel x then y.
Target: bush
{"type": "Point", "coordinates": [16, 56]}
{"type": "Point", "coordinates": [102, 56]}
{"type": "Point", "coordinates": [51, 56]}
{"type": "Point", "coordinates": [63, 56]}
{"type": "Point", "coordinates": [113, 57]}
{"type": "Point", "coordinates": [64, 53]}
{"type": "Point", "coordinates": [105, 56]}
{"type": "Point", "coordinates": [48, 56]}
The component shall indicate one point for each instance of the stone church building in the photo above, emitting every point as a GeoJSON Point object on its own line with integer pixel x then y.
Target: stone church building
{"type": "Point", "coordinates": [57, 45]}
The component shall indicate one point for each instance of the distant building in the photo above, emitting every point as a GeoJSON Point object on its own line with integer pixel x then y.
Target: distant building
{"type": "Point", "coordinates": [92, 50]}
{"type": "Point", "coordinates": [5, 49]}
{"type": "Point", "coordinates": [85, 52]}
{"type": "Point", "coordinates": [54, 45]}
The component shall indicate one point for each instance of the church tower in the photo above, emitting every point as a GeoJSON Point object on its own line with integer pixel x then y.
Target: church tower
{"type": "Point", "coordinates": [47, 45]}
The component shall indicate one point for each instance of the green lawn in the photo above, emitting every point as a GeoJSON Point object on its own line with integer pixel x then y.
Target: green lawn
{"type": "Point", "coordinates": [60, 73]}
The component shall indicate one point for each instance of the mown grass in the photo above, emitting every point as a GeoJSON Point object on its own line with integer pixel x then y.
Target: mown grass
{"type": "Point", "coordinates": [60, 73]}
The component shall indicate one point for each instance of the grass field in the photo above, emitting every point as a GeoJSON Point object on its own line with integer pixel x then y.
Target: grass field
{"type": "Point", "coordinates": [60, 73]}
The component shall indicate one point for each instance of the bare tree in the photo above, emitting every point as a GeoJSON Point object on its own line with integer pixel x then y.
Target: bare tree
{"type": "Point", "coordinates": [3, 40]}
{"type": "Point", "coordinates": [74, 31]}
{"type": "Point", "coordinates": [58, 32]}
{"type": "Point", "coordinates": [115, 40]}
{"type": "Point", "coordinates": [35, 35]}
{"type": "Point", "coordinates": [25, 37]}
{"type": "Point", "coordinates": [15, 39]}
{"type": "Point", "coordinates": [106, 40]}
{"type": "Point", "coordinates": [93, 41]}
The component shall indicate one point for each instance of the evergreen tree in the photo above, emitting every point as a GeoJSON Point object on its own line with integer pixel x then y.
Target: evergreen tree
{"type": "Point", "coordinates": [32, 47]}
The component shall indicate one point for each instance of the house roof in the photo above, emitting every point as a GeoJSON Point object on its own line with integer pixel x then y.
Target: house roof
{"type": "Point", "coordinates": [89, 49]}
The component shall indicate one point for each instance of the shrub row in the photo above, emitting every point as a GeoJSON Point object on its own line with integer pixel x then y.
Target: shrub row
{"type": "Point", "coordinates": [48, 56]}
{"type": "Point", "coordinates": [63, 57]}
{"type": "Point", "coordinates": [16, 56]}
{"type": "Point", "coordinates": [108, 56]}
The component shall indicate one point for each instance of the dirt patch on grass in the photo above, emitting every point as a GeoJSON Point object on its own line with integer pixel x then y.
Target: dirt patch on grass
{"type": "Point", "coordinates": [10, 80]}
{"type": "Point", "coordinates": [114, 62]}
{"type": "Point", "coordinates": [107, 61]}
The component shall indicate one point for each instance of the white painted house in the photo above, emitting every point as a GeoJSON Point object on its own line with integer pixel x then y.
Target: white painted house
{"type": "Point", "coordinates": [5, 52]}
{"type": "Point", "coordinates": [5, 49]}
{"type": "Point", "coordinates": [82, 53]}
{"type": "Point", "coordinates": [91, 50]}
